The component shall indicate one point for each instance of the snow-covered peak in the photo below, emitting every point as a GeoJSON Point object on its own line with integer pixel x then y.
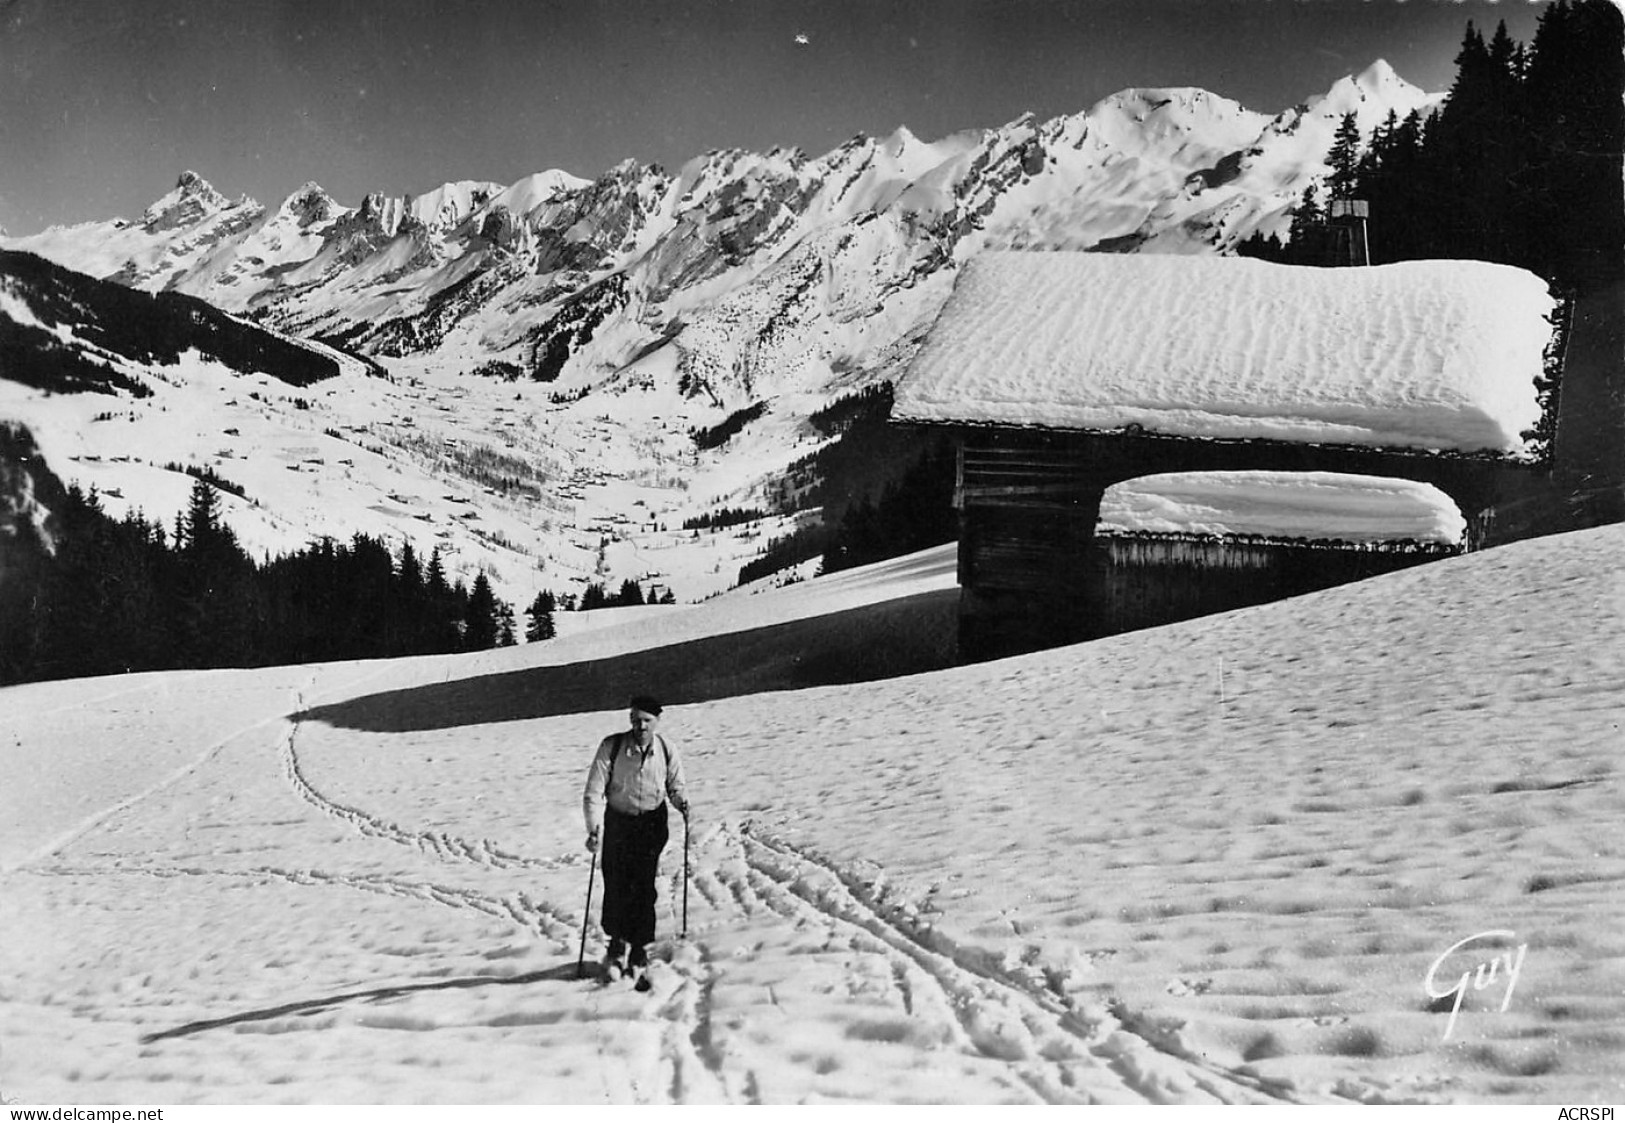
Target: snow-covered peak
{"type": "Point", "coordinates": [900, 141]}
{"type": "Point", "coordinates": [451, 203]}
{"type": "Point", "coordinates": [1135, 120]}
{"type": "Point", "coordinates": [733, 173]}
{"type": "Point", "coordinates": [309, 205]}
{"type": "Point", "coordinates": [440, 209]}
{"type": "Point", "coordinates": [538, 189]}
{"type": "Point", "coordinates": [902, 154]}
{"type": "Point", "coordinates": [1371, 94]}
{"type": "Point", "coordinates": [1380, 75]}
{"type": "Point", "coordinates": [1180, 106]}
{"type": "Point", "coordinates": [193, 200]}
{"type": "Point", "coordinates": [1270, 173]}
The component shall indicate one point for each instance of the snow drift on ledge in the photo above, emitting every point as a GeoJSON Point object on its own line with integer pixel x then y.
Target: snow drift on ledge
{"type": "Point", "coordinates": [1339, 505]}
{"type": "Point", "coordinates": [1421, 354]}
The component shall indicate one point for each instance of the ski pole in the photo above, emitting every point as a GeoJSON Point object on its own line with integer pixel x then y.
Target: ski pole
{"type": "Point", "coordinates": [586, 917]}
{"type": "Point", "coordinates": [684, 935]}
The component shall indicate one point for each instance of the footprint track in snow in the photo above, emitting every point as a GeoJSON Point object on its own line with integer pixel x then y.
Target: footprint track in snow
{"type": "Point", "coordinates": [437, 844]}
{"type": "Point", "coordinates": [516, 908]}
{"type": "Point", "coordinates": [1061, 1052]}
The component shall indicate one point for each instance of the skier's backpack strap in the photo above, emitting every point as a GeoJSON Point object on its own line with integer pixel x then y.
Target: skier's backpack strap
{"type": "Point", "coordinates": [665, 752]}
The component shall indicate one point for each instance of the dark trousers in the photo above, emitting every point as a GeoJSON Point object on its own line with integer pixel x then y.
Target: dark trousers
{"type": "Point", "coordinates": [632, 846]}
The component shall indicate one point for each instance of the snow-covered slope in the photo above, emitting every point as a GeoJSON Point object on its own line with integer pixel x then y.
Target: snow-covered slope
{"type": "Point", "coordinates": [314, 443]}
{"type": "Point", "coordinates": [1223, 860]}
{"type": "Point", "coordinates": [634, 308]}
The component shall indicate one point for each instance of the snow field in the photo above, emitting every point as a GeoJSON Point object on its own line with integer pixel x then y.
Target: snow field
{"type": "Point", "coordinates": [1212, 861]}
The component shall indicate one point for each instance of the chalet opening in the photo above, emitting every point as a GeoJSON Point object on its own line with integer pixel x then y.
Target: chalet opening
{"type": "Point", "coordinates": [1060, 375]}
{"type": "Point", "coordinates": [1184, 544]}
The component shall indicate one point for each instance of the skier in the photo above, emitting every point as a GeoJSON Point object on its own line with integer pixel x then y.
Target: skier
{"type": "Point", "coordinates": [632, 777]}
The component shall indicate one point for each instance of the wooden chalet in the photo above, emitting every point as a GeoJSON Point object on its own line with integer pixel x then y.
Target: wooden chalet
{"type": "Point", "coordinates": [1060, 375]}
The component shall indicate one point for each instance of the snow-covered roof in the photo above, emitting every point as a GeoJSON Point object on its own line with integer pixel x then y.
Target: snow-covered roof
{"type": "Point", "coordinates": [1313, 505]}
{"type": "Point", "coordinates": [1422, 354]}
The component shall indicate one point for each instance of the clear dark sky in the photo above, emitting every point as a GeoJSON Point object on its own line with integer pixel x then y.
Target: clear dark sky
{"type": "Point", "coordinates": [103, 103]}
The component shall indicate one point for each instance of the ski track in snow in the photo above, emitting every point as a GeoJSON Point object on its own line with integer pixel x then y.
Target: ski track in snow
{"type": "Point", "coordinates": [1047, 1049]}
{"type": "Point", "coordinates": [1055, 1048]}
{"type": "Point", "coordinates": [438, 844]}
{"type": "Point", "coordinates": [994, 1017]}
{"type": "Point", "coordinates": [518, 908]}
{"type": "Point", "coordinates": [89, 823]}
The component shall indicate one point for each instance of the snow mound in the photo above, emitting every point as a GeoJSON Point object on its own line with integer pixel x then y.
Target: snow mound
{"type": "Point", "coordinates": [1424, 354]}
{"type": "Point", "coordinates": [1350, 508]}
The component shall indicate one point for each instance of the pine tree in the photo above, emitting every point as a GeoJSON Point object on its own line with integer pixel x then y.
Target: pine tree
{"type": "Point", "coordinates": [71, 600]}
{"type": "Point", "coordinates": [542, 625]}
{"type": "Point", "coordinates": [1309, 211]}
{"type": "Point", "coordinates": [1265, 247]}
{"type": "Point", "coordinates": [1308, 243]}
{"type": "Point", "coordinates": [1521, 165]}
{"type": "Point", "coordinates": [1503, 70]}
{"type": "Point", "coordinates": [435, 579]}
{"type": "Point", "coordinates": [1400, 226]}
{"type": "Point", "coordinates": [368, 608]}
{"type": "Point", "coordinates": [444, 623]}
{"type": "Point", "coordinates": [481, 616]}
{"type": "Point", "coordinates": [1572, 87]}
{"type": "Point", "coordinates": [216, 601]}
{"type": "Point", "coordinates": [21, 624]}
{"type": "Point", "coordinates": [630, 593]}
{"type": "Point", "coordinates": [1344, 158]}
{"type": "Point", "coordinates": [407, 603]}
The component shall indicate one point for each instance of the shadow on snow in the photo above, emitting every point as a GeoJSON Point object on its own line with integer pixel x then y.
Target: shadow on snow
{"type": "Point", "coordinates": [561, 973]}
{"type": "Point", "coordinates": [900, 637]}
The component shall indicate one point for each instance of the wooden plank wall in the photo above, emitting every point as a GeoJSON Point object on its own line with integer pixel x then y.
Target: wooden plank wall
{"type": "Point", "coordinates": [1027, 514]}
{"type": "Point", "coordinates": [1142, 582]}
{"type": "Point", "coordinates": [1028, 509]}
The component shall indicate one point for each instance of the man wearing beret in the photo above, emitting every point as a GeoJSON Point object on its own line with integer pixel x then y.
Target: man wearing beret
{"type": "Point", "coordinates": [633, 776]}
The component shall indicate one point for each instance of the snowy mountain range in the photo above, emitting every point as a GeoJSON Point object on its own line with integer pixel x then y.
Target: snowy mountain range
{"type": "Point", "coordinates": [569, 335]}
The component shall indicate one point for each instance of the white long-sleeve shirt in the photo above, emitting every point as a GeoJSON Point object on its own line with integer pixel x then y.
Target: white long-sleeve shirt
{"type": "Point", "coordinates": [644, 778]}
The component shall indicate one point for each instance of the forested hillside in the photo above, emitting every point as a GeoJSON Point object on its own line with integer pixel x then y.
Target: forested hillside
{"type": "Point", "coordinates": [1521, 165]}
{"type": "Point", "coordinates": [88, 595]}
